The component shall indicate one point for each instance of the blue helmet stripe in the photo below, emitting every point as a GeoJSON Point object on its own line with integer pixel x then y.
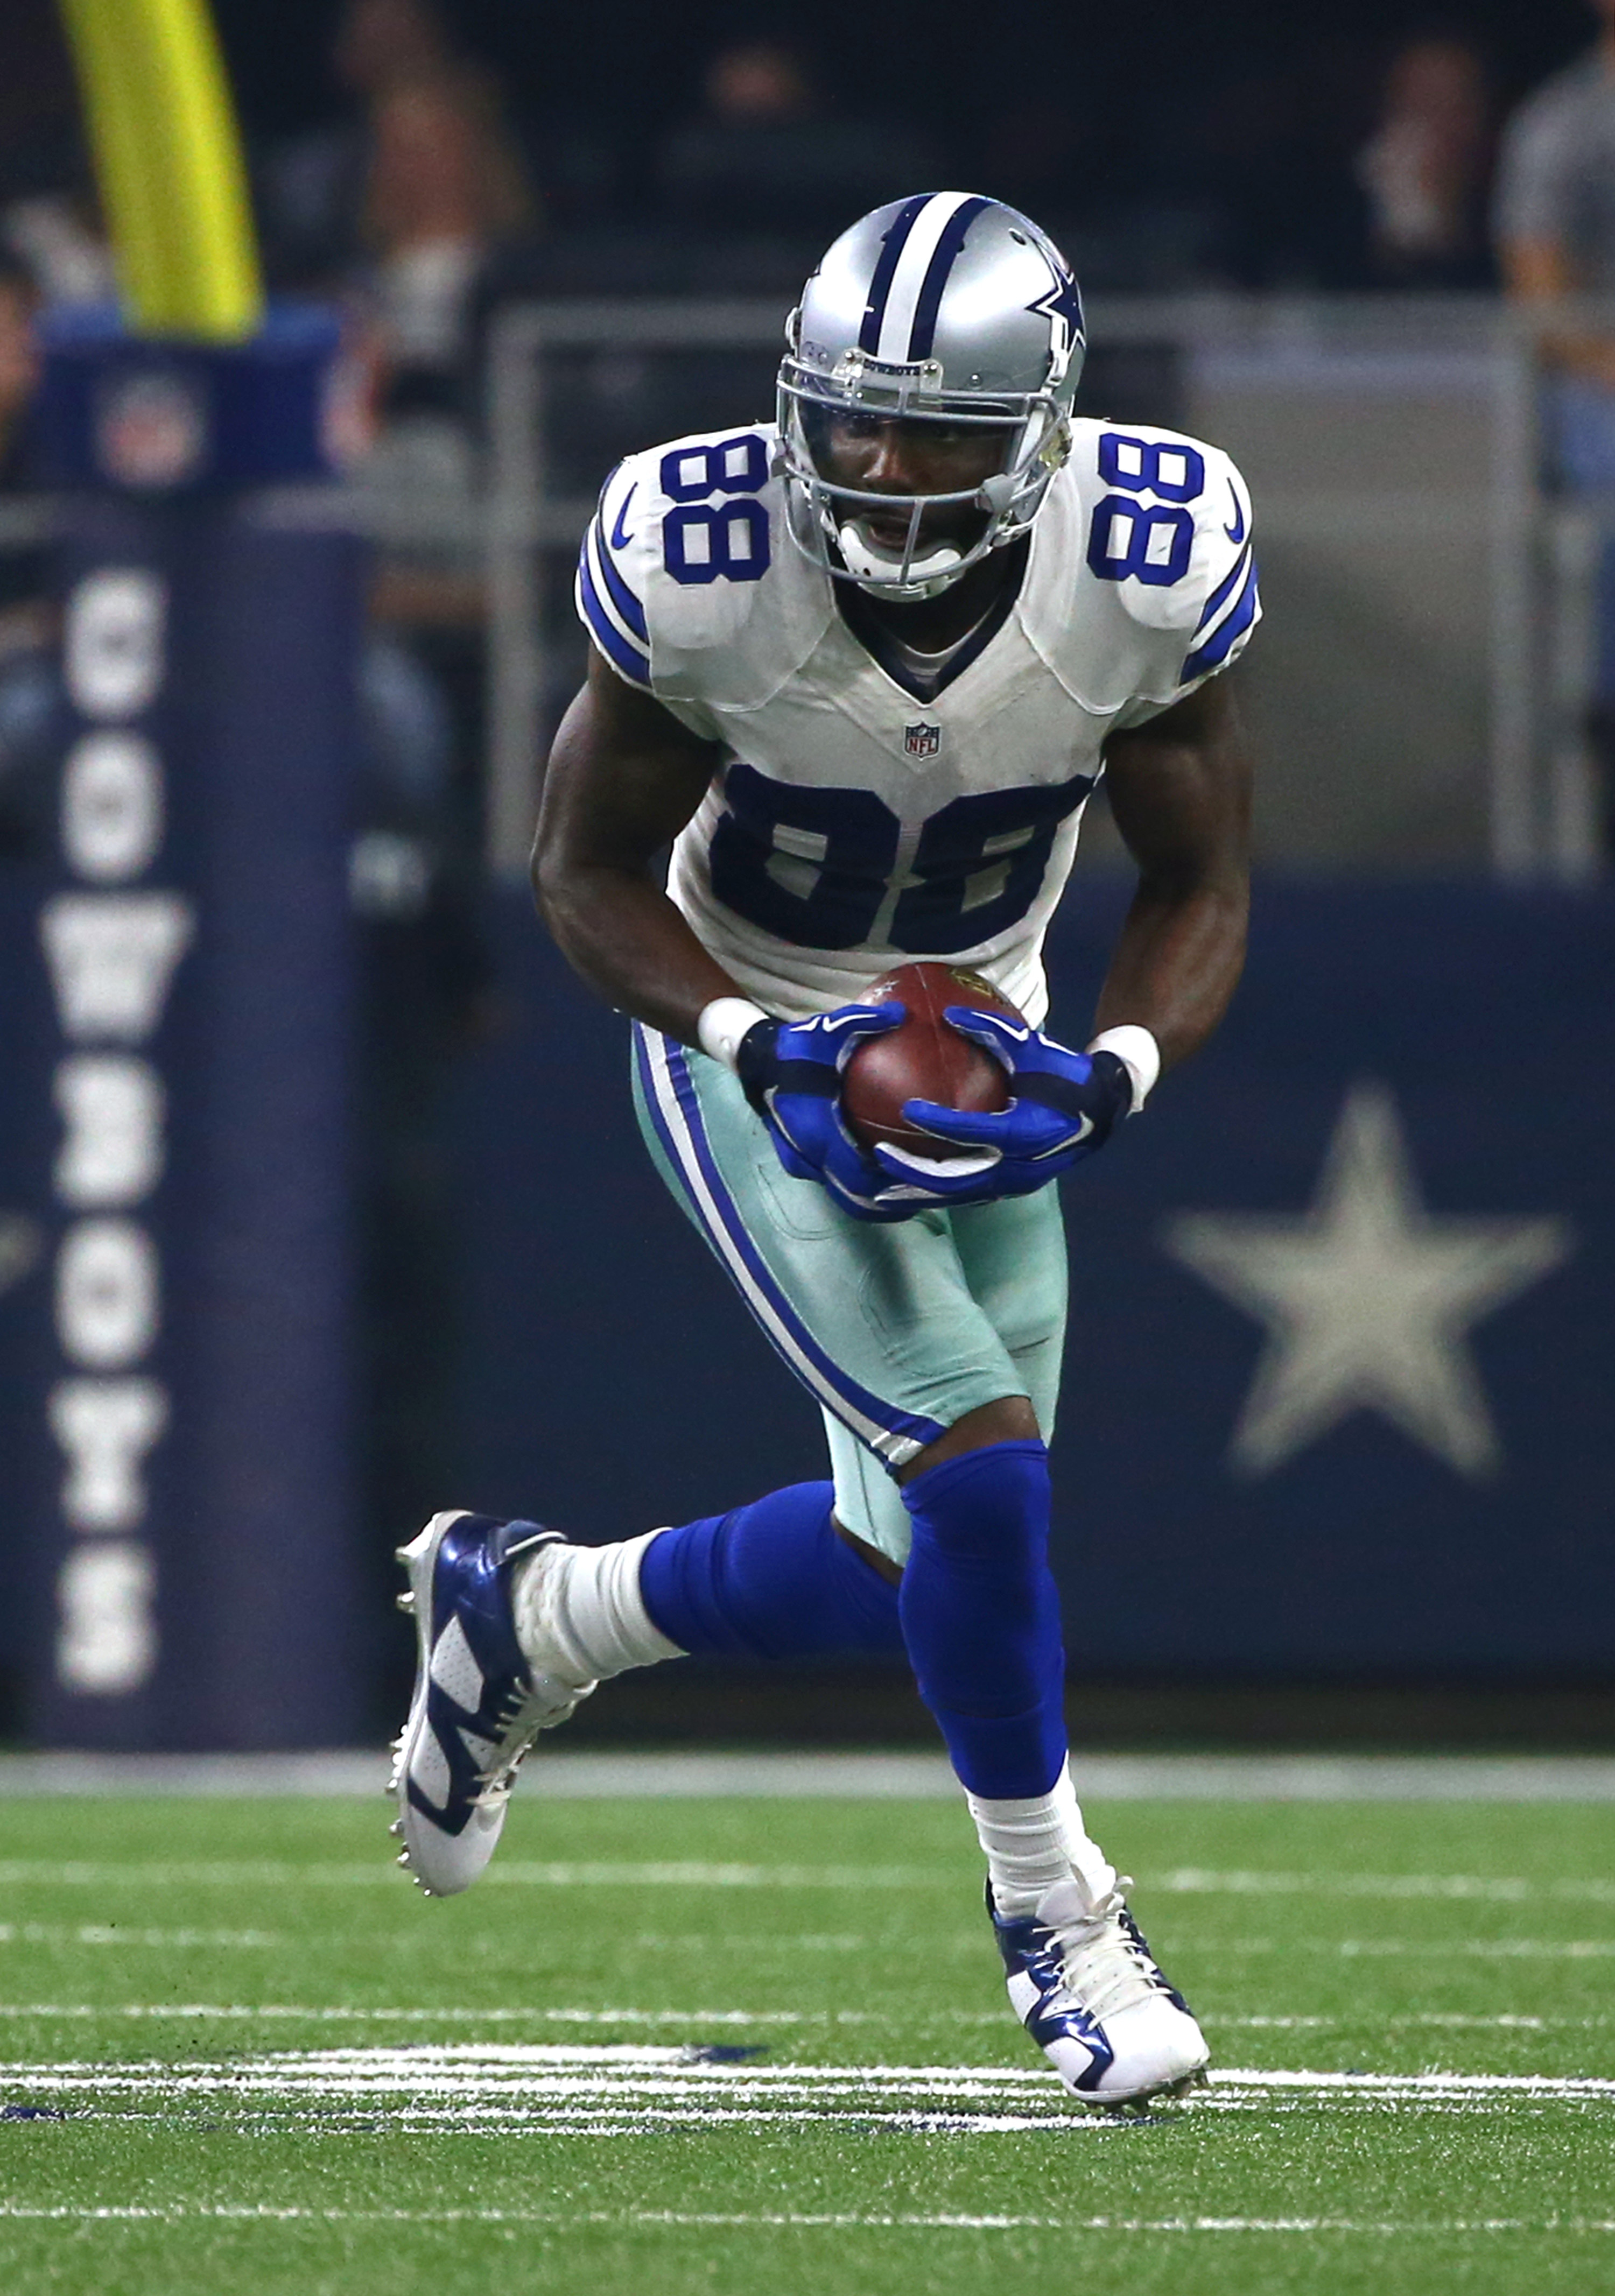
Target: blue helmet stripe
{"type": "Point", "coordinates": [928, 304]}
{"type": "Point", "coordinates": [879, 286]}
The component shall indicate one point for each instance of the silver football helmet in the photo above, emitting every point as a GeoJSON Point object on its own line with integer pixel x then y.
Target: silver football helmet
{"type": "Point", "coordinates": [948, 308]}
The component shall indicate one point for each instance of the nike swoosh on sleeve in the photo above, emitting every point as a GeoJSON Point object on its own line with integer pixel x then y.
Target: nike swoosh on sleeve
{"type": "Point", "coordinates": [1236, 532]}
{"type": "Point", "coordinates": [621, 536]}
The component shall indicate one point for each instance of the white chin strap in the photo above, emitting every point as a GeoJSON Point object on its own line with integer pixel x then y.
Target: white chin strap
{"type": "Point", "coordinates": [925, 578]}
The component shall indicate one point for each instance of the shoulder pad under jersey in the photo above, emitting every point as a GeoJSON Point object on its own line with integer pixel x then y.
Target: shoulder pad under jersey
{"type": "Point", "coordinates": [687, 581]}
{"type": "Point", "coordinates": [1163, 529]}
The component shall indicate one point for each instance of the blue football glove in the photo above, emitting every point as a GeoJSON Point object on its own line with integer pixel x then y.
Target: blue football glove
{"type": "Point", "coordinates": [1065, 1106]}
{"type": "Point", "coordinates": [791, 1074]}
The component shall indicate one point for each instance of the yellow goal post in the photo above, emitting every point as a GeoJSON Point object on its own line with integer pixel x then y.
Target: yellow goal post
{"type": "Point", "coordinates": [168, 162]}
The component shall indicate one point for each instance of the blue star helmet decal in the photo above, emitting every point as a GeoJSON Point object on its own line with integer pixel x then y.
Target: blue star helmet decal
{"type": "Point", "coordinates": [1063, 307]}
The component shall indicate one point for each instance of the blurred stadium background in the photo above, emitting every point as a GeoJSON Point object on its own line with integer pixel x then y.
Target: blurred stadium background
{"type": "Point", "coordinates": [320, 1201]}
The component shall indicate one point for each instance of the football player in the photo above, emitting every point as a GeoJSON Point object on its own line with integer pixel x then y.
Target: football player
{"type": "Point", "coordinates": [862, 668]}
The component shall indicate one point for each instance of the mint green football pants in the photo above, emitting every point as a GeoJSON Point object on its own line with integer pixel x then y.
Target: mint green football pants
{"type": "Point", "coordinates": [896, 1330]}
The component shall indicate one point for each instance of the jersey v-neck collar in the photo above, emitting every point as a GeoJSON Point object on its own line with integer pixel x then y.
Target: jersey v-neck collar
{"type": "Point", "coordinates": [866, 631]}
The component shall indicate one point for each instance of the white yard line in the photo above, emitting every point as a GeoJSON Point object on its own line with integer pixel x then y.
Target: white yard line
{"type": "Point", "coordinates": [515, 1872]}
{"type": "Point", "coordinates": [922, 1776]}
{"type": "Point", "coordinates": [1432, 1948]}
{"type": "Point", "coordinates": [679, 2020]}
{"type": "Point", "coordinates": [203, 2011]}
{"type": "Point", "coordinates": [1451, 2021]}
{"type": "Point", "coordinates": [627, 2219]}
{"type": "Point", "coordinates": [596, 2089]}
{"type": "Point", "coordinates": [698, 1873]}
{"type": "Point", "coordinates": [1502, 1888]}
{"type": "Point", "coordinates": [115, 1933]}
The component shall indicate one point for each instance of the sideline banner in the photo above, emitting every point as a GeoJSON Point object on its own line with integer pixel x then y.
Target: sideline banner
{"type": "Point", "coordinates": [190, 1402]}
{"type": "Point", "coordinates": [1337, 1390]}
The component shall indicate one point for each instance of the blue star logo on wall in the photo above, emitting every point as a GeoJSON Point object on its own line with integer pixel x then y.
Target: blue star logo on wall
{"type": "Point", "coordinates": [1368, 1298]}
{"type": "Point", "coordinates": [1063, 307]}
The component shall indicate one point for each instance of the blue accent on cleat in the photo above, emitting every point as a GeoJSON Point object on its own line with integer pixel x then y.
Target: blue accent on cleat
{"type": "Point", "coordinates": [1084, 1983]}
{"type": "Point", "coordinates": [1032, 1952]}
{"type": "Point", "coordinates": [477, 1706]}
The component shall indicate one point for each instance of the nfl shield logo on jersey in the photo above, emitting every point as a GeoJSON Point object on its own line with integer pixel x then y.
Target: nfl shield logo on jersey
{"type": "Point", "coordinates": [922, 741]}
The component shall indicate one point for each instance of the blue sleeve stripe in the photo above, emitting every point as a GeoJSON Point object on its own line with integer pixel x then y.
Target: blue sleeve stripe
{"type": "Point", "coordinates": [626, 605]}
{"type": "Point", "coordinates": [1221, 642]}
{"type": "Point", "coordinates": [633, 663]}
{"type": "Point", "coordinates": [1224, 589]}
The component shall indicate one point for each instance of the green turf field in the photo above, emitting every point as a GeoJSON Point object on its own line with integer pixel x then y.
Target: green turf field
{"type": "Point", "coordinates": [281, 2069]}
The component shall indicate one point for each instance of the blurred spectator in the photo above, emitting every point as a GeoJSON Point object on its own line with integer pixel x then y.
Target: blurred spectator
{"type": "Point", "coordinates": [1276, 142]}
{"type": "Point", "coordinates": [55, 234]}
{"type": "Point", "coordinates": [767, 155]}
{"type": "Point", "coordinates": [1425, 168]}
{"type": "Point", "coordinates": [1556, 226]}
{"type": "Point", "coordinates": [445, 198]}
{"type": "Point", "coordinates": [24, 616]}
{"type": "Point", "coordinates": [311, 187]}
{"type": "Point", "coordinates": [50, 221]}
{"type": "Point", "coordinates": [401, 212]}
{"type": "Point", "coordinates": [18, 368]}
{"type": "Point", "coordinates": [445, 190]}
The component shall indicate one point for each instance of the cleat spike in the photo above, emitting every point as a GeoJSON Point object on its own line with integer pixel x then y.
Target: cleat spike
{"type": "Point", "coordinates": [402, 1858]}
{"type": "Point", "coordinates": [397, 1828]}
{"type": "Point", "coordinates": [406, 1601]}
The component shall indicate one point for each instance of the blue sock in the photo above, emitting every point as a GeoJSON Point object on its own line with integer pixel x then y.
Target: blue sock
{"type": "Point", "coordinates": [770, 1580]}
{"type": "Point", "coordinates": [981, 1617]}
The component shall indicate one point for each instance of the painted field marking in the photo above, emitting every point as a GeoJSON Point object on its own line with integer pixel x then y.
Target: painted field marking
{"type": "Point", "coordinates": [595, 1873]}
{"type": "Point", "coordinates": [1439, 2018]}
{"type": "Point", "coordinates": [345, 2015]}
{"type": "Point", "coordinates": [1416, 1949]}
{"type": "Point", "coordinates": [1503, 1889]}
{"type": "Point", "coordinates": [293, 2012]}
{"type": "Point", "coordinates": [183, 2212]}
{"type": "Point", "coordinates": [213, 2212]}
{"type": "Point", "coordinates": [1487, 1949]}
{"type": "Point", "coordinates": [614, 2088]}
{"type": "Point", "coordinates": [111, 1933]}
{"type": "Point", "coordinates": [577, 1776]}
{"type": "Point", "coordinates": [696, 1874]}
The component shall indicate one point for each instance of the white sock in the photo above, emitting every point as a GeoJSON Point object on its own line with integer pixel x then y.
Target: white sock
{"type": "Point", "coordinates": [580, 1617]}
{"type": "Point", "coordinates": [1035, 1844]}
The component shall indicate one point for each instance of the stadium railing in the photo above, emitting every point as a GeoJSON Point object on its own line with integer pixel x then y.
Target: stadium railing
{"type": "Point", "coordinates": [1420, 691]}
{"type": "Point", "coordinates": [1419, 688]}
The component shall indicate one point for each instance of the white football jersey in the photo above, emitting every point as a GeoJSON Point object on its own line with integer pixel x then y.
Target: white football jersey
{"type": "Point", "coordinates": [851, 826]}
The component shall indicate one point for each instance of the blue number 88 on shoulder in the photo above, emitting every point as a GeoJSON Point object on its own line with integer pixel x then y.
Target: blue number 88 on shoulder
{"type": "Point", "coordinates": [706, 541]}
{"type": "Point", "coordinates": [1146, 542]}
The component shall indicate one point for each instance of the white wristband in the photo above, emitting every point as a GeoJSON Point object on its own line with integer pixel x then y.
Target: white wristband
{"type": "Point", "coordinates": [722, 1025]}
{"type": "Point", "coordinates": [1139, 1054]}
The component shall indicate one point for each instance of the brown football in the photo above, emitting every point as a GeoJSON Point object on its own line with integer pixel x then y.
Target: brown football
{"type": "Point", "coordinates": [924, 1059]}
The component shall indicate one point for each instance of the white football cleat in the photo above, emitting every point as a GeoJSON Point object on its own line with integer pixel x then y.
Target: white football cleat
{"type": "Point", "coordinates": [1083, 1982]}
{"type": "Point", "coordinates": [477, 1705]}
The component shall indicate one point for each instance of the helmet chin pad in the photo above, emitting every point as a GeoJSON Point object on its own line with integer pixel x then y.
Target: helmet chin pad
{"type": "Point", "coordinates": [878, 571]}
